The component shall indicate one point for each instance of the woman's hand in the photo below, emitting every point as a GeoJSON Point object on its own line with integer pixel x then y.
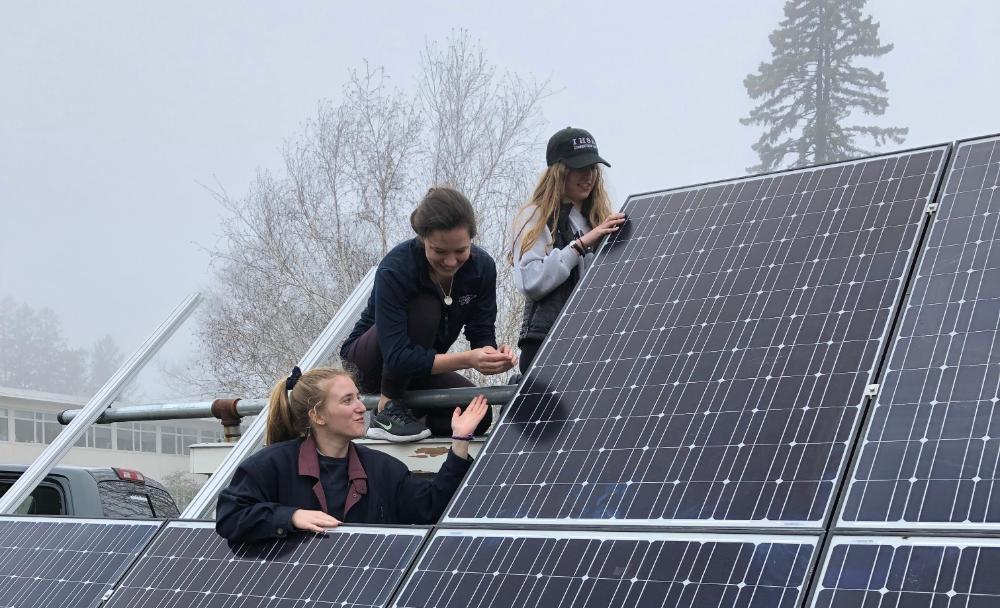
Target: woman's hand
{"type": "Point", "coordinates": [488, 360]}
{"type": "Point", "coordinates": [507, 350]}
{"type": "Point", "coordinates": [592, 238]}
{"type": "Point", "coordinates": [313, 521]}
{"type": "Point", "coordinates": [463, 424]}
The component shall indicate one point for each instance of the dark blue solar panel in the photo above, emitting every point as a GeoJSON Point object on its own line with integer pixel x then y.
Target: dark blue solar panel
{"type": "Point", "coordinates": [883, 572]}
{"type": "Point", "coordinates": [65, 563]}
{"type": "Point", "coordinates": [600, 569]}
{"type": "Point", "coordinates": [711, 364]}
{"type": "Point", "coordinates": [189, 565]}
{"type": "Point", "coordinates": [932, 448]}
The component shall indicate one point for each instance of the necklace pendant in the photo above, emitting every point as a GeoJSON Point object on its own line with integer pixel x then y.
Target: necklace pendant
{"type": "Point", "coordinates": [447, 300]}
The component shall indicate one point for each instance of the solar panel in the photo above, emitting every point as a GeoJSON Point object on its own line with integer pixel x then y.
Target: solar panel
{"type": "Point", "coordinates": [69, 563]}
{"type": "Point", "coordinates": [190, 565]}
{"type": "Point", "coordinates": [599, 569]}
{"type": "Point", "coordinates": [710, 366]}
{"type": "Point", "coordinates": [931, 450]}
{"type": "Point", "coordinates": [911, 572]}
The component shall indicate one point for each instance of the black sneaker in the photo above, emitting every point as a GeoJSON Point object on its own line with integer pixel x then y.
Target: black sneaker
{"type": "Point", "coordinates": [397, 424]}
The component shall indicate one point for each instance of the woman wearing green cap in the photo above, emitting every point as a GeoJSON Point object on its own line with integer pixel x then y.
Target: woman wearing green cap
{"type": "Point", "coordinates": [557, 232]}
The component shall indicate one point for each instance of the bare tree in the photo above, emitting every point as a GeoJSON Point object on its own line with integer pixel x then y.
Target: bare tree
{"type": "Point", "coordinates": [296, 245]}
{"type": "Point", "coordinates": [183, 486]}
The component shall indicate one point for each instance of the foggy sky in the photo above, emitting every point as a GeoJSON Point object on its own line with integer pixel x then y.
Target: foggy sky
{"type": "Point", "coordinates": [114, 114]}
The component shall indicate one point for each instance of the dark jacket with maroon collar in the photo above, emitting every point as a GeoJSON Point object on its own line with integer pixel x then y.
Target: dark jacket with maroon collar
{"type": "Point", "coordinates": [283, 477]}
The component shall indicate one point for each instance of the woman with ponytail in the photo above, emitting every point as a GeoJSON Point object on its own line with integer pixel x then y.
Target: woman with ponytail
{"type": "Point", "coordinates": [311, 476]}
{"type": "Point", "coordinates": [557, 232]}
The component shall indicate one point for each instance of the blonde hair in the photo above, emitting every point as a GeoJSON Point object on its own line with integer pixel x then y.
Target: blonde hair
{"type": "Point", "coordinates": [288, 411]}
{"type": "Point", "coordinates": [549, 194]}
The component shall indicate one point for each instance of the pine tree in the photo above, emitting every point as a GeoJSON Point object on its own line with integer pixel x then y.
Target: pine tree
{"type": "Point", "coordinates": [811, 87]}
{"type": "Point", "coordinates": [33, 351]}
{"type": "Point", "coordinates": [104, 359]}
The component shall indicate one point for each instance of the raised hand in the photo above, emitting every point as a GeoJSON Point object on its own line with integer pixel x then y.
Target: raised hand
{"type": "Point", "coordinates": [464, 423]}
{"type": "Point", "coordinates": [313, 521]}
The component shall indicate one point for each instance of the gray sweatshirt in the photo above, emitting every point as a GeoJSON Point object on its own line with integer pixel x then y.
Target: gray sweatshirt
{"type": "Point", "coordinates": [543, 268]}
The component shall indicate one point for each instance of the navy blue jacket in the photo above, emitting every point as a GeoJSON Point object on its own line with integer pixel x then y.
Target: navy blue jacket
{"type": "Point", "coordinates": [283, 477]}
{"type": "Point", "coordinates": [403, 273]}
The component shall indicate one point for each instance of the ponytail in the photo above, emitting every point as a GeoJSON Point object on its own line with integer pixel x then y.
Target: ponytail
{"type": "Point", "coordinates": [288, 410]}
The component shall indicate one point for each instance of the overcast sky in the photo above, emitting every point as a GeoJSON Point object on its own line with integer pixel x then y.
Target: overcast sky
{"type": "Point", "coordinates": [113, 114]}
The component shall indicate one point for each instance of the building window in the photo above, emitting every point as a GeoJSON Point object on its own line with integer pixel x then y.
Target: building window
{"type": "Point", "coordinates": [210, 436]}
{"type": "Point", "coordinates": [4, 432]}
{"type": "Point", "coordinates": [100, 437]}
{"type": "Point", "coordinates": [177, 439]}
{"type": "Point", "coordinates": [147, 437]}
{"type": "Point", "coordinates": [24, 427]}
{"type": "Point", "coordinates": [136, 436]}
{"type": "Point", "coordinates": [170, 439]}
{"type": "Point", "coordinates": [35, 427]}
{"type": "Point", "coordinates": [125, 437]}
{"type": "Point", "coordinates": [97, 436]}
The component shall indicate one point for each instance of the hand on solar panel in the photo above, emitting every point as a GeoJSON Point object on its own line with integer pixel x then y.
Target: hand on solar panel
{"type": "Point", "coordinates": [488, 360]}
{"type": "Point", "coordinates": [313, 521]}
{"type": "Point", "coordinates": [608, 226]}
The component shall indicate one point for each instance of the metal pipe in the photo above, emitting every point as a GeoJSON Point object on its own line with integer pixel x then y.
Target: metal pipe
{"type": "Point", "coordinates": [227, 413]}
{"type": "Point", "coordinates": [443, 399]}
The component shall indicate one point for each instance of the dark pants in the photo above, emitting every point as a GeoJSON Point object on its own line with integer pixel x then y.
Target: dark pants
{"type": "Point", "coordinates": [529, 349]}
{"type": "Point", "coordinates": [423, 318]}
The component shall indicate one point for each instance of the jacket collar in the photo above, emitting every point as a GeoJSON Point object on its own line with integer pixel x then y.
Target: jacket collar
{"type": "Point", "coordinates": [467, 273]}
{"type": "Point", "coordinates": [356, 476]}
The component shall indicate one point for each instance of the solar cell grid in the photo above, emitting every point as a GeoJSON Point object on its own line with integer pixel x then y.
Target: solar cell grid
{"type": "Point", "coordinates": [710, 366]}
{"type": "Point", "coordinates": [587, 569]}
{"type": "Point", "coordinates": [913, 572]}
{"type": "Point", "coordinates": [932, 447]}
{"type": "Point", "coordinates": [189, 565]}
{"type": "Point", "coordinates": [68, 563]}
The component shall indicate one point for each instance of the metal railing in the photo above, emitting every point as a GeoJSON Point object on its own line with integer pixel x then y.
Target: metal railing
{"type": "Point", "coordinates": [445, 398]}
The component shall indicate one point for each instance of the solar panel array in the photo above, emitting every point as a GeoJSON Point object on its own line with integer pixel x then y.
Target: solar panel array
{"type": "Point", "coordinates": [710, 371]}
{"type": "Point", "coordinates": [710, 367]}
{"type": "Point", "coordinates": [190, 565]}
{"type": "Point", "coordinates": [463, 568]}
{"type": "Point", "coordinates": [931, 451]}
{"type": "Point", "coordinates": [65, 563]}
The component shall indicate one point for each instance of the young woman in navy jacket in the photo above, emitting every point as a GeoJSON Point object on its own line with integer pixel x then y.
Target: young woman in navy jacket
{"type": "Point", "coordinates": [311, 476]}
{"type": "Point", "coordinates": [427, 289]}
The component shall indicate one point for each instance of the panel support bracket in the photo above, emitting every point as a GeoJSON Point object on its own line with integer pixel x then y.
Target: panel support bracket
{"type": "Point", "coordinates": [871, 390]}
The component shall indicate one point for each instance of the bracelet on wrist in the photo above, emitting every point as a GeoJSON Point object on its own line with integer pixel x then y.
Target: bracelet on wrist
{"type": "Point", "coordinates": [462, 437]}
{"type": "Point", "coordinates": [577, 245]}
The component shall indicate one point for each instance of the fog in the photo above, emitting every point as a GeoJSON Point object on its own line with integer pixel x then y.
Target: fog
{"type": "Point", "coordinates": [119, 118]}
